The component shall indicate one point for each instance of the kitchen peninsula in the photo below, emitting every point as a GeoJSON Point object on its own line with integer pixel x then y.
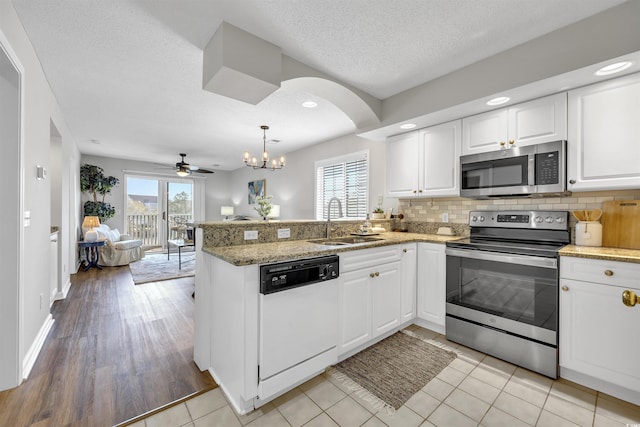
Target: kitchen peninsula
{"type": "Point", "coordinates": [380, 288]}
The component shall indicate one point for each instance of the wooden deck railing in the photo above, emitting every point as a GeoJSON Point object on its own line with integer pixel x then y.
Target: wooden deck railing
{"type": "Point", "coordinates": [145, 227]}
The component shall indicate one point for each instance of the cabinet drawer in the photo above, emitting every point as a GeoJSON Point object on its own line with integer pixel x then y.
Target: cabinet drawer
{"type": "Point", "coordinates": [600, 271]}
{"type": "Point", "coordinates": [355, 260]}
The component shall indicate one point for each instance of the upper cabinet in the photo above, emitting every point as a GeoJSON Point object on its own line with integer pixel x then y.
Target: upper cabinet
{"type": "Point", "coordinates": [603, 145]}
{"type": "Point", "coordinates": [534, 122]}
{"type": "Point", "coordinates": [425, 163]}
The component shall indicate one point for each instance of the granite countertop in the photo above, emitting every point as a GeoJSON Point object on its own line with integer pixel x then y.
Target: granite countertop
{"type": "Point", "coordinates": [261, 253]}
{"type": "Point", "coordinates": [603, 253]}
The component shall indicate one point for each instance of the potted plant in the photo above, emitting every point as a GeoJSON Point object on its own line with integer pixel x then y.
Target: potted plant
{"type": "Point", "coordinates": [378, 213]}
{"type": "Point", "coordinates": [94, 182]}
{"type": "Point", "coordinates": [263, 206]}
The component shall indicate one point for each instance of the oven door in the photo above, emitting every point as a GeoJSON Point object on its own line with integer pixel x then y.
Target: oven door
{"type": "Point", "coordinates": [514, 293]}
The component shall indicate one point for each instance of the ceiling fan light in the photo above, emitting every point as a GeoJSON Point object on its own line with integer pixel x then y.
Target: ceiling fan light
{"type": "Point", "coordinates": [183, 171]}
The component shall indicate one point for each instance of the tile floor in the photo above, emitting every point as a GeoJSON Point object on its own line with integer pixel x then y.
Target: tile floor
{"type": "Point", "coordinates": [475, 389]}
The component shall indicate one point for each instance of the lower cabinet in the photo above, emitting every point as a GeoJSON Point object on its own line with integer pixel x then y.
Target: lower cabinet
{"type": "Point", "coordinates": [375, 294]}
{"type": "Point", "coordinates": [431, 284]}
{"type": "Point", "coordinates": [599, 334]}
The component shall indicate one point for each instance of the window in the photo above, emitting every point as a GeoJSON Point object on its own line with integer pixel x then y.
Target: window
{"type": "Point", "coordinates": [347, 178]}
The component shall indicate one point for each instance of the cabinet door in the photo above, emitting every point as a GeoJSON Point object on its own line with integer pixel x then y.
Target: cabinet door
{"type": "Point", "coordinates": [440, 153]}
{"type": "Point", "coordinates": [408, 291]}
{"type": "Point", "coordinates": [402, 165]}
{"type": "Point", "coordinates": [598, 333]}
{"type": "Point", "coordinates": [603, 147]}
{"type": "Point", "coordinates": [484, 132]}
{"type": "Point", "coordinates": [386, 296]}
{"type": "Point", "coordinates": [432, 285]}
{"type": "Point", "coordinates": [355, 310]}
{"type": "Point", "coordinates": [538, 121]}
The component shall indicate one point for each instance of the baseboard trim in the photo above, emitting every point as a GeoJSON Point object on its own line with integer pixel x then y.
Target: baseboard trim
{"type": "Point", "coordinates": [64, 292]}
{"type": "Point", "coordinates": [36, 346]}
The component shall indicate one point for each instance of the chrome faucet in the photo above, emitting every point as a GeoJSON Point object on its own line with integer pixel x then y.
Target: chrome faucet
{"type": "Point", "coordinates": [329, 214]}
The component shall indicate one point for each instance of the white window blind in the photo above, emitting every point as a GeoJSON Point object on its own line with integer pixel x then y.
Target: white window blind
{"type": "Point", "coordinates": [347, 178]}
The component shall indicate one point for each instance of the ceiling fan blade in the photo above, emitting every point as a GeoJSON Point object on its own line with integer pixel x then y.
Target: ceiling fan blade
{"type": "Point", "coordinates": [200, 170]}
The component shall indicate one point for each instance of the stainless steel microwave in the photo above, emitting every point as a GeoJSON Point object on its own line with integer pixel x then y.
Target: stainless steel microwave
{"type": "Point", "coordinates": [532, 171]}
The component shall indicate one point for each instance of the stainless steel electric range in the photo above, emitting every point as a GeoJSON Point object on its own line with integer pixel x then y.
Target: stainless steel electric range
{"type": "Point", "coordinates": [502, 286]}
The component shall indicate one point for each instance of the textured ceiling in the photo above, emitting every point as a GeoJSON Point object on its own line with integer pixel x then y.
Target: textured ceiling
{"type": "Point", "coordinates": [128, 73]}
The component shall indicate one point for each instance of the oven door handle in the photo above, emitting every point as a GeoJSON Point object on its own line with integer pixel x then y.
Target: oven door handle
{"type": "Point", "coordinates": [506, 258]}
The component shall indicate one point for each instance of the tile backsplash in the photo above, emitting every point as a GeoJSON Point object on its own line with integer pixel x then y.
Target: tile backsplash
{"type": "Point", "coordinates": [431, 210]}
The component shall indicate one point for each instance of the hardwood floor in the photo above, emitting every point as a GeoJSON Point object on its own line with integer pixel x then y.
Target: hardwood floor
{"type": "Point", "coordinates": [116, 351]}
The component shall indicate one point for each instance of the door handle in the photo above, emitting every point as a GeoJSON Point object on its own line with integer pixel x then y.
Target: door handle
{"type": "Point", "coordinates": [164, 215]}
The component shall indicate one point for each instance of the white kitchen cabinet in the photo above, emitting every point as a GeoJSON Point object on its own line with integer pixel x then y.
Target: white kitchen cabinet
{"type": "Point", "coordinates": [409, 281]}
{"type": "Point", "coordinates": [533, 122]}
{"type": "Point", "coordinates": [53, 266]}
{"type": "Point", "coordinates": [603, 148]}
{"type": "Point", "coordinates": [402, 165]}
{"type": "Point", "coordinates": [369, 294]}
{"type": "Point", "coordinates": [385, 283]}
{"type": "Point", "coordinates": [599, 343]}
{"type": "Point", "coordinates": [431, 286]}
{"type": "Point", "coordinates": [425, 163]}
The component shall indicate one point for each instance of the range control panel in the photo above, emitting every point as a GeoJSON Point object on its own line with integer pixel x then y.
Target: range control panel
{"type": "Point", "coordinates": [547, 220]}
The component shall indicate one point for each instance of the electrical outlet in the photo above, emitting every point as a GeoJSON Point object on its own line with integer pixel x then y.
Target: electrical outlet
{"type": "Point", "coordinates": [445, 217]}
{"type": "Point", "coordinates": [284, 233]}
{"type": "Point", "coordinates": [251, 235]}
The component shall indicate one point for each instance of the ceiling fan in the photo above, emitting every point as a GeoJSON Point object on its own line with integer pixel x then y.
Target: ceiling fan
{"type": "Point", "coordinates": [183, 168]}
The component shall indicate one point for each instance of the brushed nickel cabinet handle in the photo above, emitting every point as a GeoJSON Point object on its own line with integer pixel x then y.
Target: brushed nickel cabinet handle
{"type": "Point", "coordinates": [377, 273]}
{"type": "Point", "coordinates": [371, 275]}
{"type": "Point", "coordinates": [565, 288]}
{"type": "Point", "coordinates": [572, 181]}
{"type": "Point", "coordinates": [629, 298]}
{"type": "Point", "coordinates": [404, 250]}
{"type": "Point", "coordinates": [608, 273]}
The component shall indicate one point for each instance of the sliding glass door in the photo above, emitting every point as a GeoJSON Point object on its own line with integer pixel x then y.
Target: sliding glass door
{"type": "Point", "coordinates": [158, 209]}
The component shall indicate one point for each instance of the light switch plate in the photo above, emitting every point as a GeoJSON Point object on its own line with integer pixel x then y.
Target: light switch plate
{"type": "Point", "coordinates": [251, 235]}
{"type": "Point", "coordinates": [284, 233]}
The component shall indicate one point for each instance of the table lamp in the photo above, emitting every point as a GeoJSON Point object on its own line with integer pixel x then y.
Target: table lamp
{"type": "Point", "coordinates": [91, 222]}
{"type": "Point", "coordinates": [275, 211]}
{"type": "Point", "coordinates": [226, 211]}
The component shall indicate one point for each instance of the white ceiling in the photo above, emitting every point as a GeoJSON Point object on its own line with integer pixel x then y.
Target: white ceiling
{"type": "Point", "coordinates": [128, 74]}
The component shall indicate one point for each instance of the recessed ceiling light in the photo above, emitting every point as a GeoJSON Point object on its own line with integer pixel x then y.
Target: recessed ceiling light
{"type": "Point", "coordinates": [309, 104]}
{"type": "Point", "coordinates": [407, 126]}
{"type": "Point", "coordinates": [499, 100]}
{"type": "Point", "coordinates": [613, 68]}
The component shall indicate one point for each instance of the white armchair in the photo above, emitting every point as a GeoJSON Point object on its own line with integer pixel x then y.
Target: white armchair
{"type": "Point", "coordinates": [120, 248]}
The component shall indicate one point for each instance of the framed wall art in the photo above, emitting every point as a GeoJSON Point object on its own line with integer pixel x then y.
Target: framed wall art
{"type": "Point", "coordinates": [257, 188]}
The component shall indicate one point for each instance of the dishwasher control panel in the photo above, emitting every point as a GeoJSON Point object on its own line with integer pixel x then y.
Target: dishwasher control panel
{"type": "Point", "coordinates": [286, 275]}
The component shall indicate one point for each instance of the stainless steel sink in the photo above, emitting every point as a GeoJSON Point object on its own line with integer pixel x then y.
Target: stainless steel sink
{"type": "Point", "coordinates": [344, 241]}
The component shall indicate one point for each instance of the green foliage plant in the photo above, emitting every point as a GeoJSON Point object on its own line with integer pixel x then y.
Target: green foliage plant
{"type": "Point", "coordinates": [94, 182]}
{"type": "Point", "coordinates": [263, 206]}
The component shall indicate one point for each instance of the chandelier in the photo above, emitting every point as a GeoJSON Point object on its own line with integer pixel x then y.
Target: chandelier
{"type": "Point", "coordinates": [264, 162]}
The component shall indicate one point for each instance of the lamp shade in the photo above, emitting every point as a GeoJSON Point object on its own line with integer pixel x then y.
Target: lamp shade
{"type": "Point", "coordinates": [275, 211]}
{"type": "Point", "coordinates": [226, 210]}
{"type": "Point", "coordinates": [90, 222]}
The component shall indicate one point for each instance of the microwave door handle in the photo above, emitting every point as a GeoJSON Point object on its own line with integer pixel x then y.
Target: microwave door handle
{"type": "Point", "coordinates": [505, 258]}
{"type": "Point", "coordinates": [532, 169]}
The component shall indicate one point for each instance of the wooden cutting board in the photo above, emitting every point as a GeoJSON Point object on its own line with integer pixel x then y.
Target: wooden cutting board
{"type": "Point", "coordinates": [621, 224]}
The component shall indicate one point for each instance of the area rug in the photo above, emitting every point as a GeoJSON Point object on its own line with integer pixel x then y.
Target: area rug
{"type": "Point", "coordinates": [392, 370]}
{"type": "Point", "coordinates": [156, 267]}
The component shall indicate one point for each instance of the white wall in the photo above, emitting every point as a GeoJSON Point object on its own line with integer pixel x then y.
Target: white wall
{"type": "Point", "coordinates": [215, 187]}
{"type": "Point", "coordinates": [40, 108]}
{"type": "Point", "coordinates": [293, 187]}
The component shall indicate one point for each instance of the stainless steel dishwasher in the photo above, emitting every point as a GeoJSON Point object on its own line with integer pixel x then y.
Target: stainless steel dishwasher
{"type": "Point", "coordinates": [298, 322]}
